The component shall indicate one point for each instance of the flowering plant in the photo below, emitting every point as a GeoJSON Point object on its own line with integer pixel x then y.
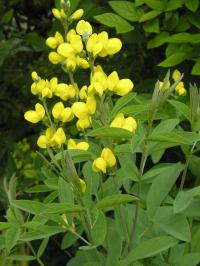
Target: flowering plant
{"type": "Point", "coordinates": [108, 192]}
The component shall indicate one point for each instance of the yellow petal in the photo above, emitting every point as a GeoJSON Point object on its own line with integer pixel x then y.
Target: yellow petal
{"type": "Point", "coordinates": [58, 138]}
{"type": "Point", "coordinates": [42, 142]}
{"type": "Point", "coordinates": [56, 13]}
{"type": "Point", "coordinates": [55, 58]}
{"type": "Point", "coordinates": [113, 46]}
{"type": "Point", "coordinates": [112, 81]}
{"type": "Point", "coordinates": [34, 76]}
{"type": "Point", "coordinates": [124, 86]}
{"type": "Point", "coordinates": [80, 110]}
{"type": "Point", "coordinates": [91, 42]}
{"type": "Point", "coordinates": [65, 49]}
{"type": "Point", "coordinates": [176, 74]}
{"type": "Point", "coordinates": [83, 124]}
{"type": "Point", "coordinates": [70, 34]}
{"type": "Point", "coordinates": [59, 37]}
{"type": "Point", "coordinates": [83, 146]}
{"type": "Point", "coordinates": [77, 14]}
{"type": "Point", "coordinates": [62, 91]}
{"type": "Point", "coordinates": [83, 63]}
{"type": "Point", "coordinates": [32, 116]}
{"type": "Point", "coordinates": [76, 43]}
{"type": "Point", "coordinates": [71, 144]}
{"type": "Point", "coordinates": [57, 110]}
{"type": "Point", "coordinates": [83, 93]}
{"type": "Point", "coordinates": [53, 84]}
{"type": "Point", "coordinates": [108, 157]}
{"type": "Point", "coordinates": [67, 115]}
{"type": "Point", "coordinates": [91, 104]}
{"type": "Point", "coordinates": [130, 124]}
{"type": "Point", "coordinates": [118, 121]}
{"type": "Point", "coordinates": [84, 27]}
{"type": "Point", "coordinates": [52, 42]}
{"type": "Point", "coordinates": [83, 185]}
{"type": "Point", "coordinates": [99, 165]}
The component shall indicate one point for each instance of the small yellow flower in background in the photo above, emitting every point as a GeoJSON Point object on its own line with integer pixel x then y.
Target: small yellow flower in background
{"type": "Point", "coordinates": [35, 116]}
{"type": "Point", "coordinates": [176, 74]}
{"type": "Point", "coordinates": [128, 123]}
{"type": "Point", "coordinates": [77, 14]}
{"type": "Point", "coordinates": [61, 113]}
{"type": "Point", "coordinates": [55, 58]}
{"type": "Point", "coordinates": [106, 160]}
{"type": "Point", "coordinates": [35, 76]}
{"type": "Point", "coordinates": [80, 110]}
{"type": "Point", "coordinates": [83, 27]}
{"type": "Point", "coordinates": [72, 145]}
{"type": "Point", "coordinates": [161, 83]}
{"type": "Point", "coordinates": [83, 185]}
{"type": "Point", "coordinates": [180, 89]}
{"type": "Point", "coordinates": [83, 124]}
{"type": "Point", "coordinates": [99, 165]}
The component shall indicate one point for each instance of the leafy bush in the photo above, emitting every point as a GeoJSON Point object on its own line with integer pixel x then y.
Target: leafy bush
{"type": "Point", "coordinates": [108, 189]}
{"type": "Point", "coordinates": [174, 24]}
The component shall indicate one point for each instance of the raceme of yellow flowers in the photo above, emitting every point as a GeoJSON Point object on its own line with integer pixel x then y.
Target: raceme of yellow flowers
{"type": "Point", "coordinates": [79, 48]}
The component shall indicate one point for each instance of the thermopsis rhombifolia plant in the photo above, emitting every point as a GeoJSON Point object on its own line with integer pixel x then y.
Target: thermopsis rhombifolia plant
{"type": "Point", "coordinates": [108, 193]}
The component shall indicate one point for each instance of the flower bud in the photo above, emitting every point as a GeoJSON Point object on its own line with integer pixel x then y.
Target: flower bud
{"type": "Point", "coordinates": [51, 42]}
{"type": "Point", "coordinates": [56, 13]}
{"type": "Point", "coordinates": [55, 58]}
{"type": "Point", "coordinates": [77, 14]}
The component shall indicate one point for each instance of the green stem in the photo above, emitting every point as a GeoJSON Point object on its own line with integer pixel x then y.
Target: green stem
{"type": "Point", "coordinates": [34, 253]}
{"type": "Point", "coordinates": [47, 113]}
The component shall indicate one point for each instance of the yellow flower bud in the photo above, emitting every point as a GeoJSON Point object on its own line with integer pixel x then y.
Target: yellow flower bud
{"type": "Point", "coordinates": [83, 93]}
{"type": "Point", "coordinates": [59, 37]}
{"type": "Point", "coordinates": [176, 74]}
{"type": "Point", "coordinates": [112, 80]}
{"type": "Point", "coordinates": [84, 27]}
{"type": "Point", "coordinates": [56, 13]}
{"type": "Point", "coordinates": [99, 165]}
{"type": "Point", "coordinates": [77, 14]}
{"type": "Point", "coordinates": [130, 124]}
{"type": "Point", "coordinates": [62, 91]}
{"type": "Point", "coordinates": [91, 104]}
{"type": "Point", "coordinates": [83, 185]}
{"type": "Point", "coordinates": [71, 64]}
{"type": "Point", "coordinates": [62, 13]}
{"type": "Point", "coordinates": [53, 84]}
{"type": "Point", "coordinates": [70, 34]}
{"type": "Point", "coordinates": [81, 62]}
{"type": "Point", "coordinates": [55, 58]}
{"type": "Point", "coordinates": [71, 144]}
{"type": "Point", "coordinates": [113, 46]}
{"type": "Point", "coordinates": [124, 86]}
{"type": "Point", "coordinates": [58, 110]}
{"type": "Point", "coordinates": [83, 124]}
{"type": "Point", "coordinates": [82, 146]}
{"type": "Point", "coordinates": [108, 157]}
{"type": "Point", "coordinates": [65, 49]}
{"type": "Point", "coordinates": [80, 110]}
{"type": "Point", "coordinates": [35, 116]}
{"type": "Point", "coordinates": [76, 43]}
{"type": "Point", "coordinates": [46, 92]}
{"type": "Point", "coordinates": [51, 42]}
{"type": "Point", "coordinates": [58, 138]}
{"type": "Point", "coordinates": [34, 76]}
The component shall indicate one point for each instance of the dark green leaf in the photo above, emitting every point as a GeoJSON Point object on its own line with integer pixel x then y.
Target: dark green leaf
{"type": "Point", "coordinates": [114, 200]}
{"type": "Point", "coordinates": [122, 102]}
{"type": "Point", "coordinates": [110, 132]}
{"type": "Point", "coordinates": [174, 59]}
{"type": "Point", "coordinates": [150, 15]}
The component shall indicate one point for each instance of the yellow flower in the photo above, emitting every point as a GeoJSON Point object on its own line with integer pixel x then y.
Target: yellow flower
{"type": "Point", "coordinates": [123, 87]}
{"type": "Point", "coordinates": [80, 110]}
{"type": "Point", "coordinates": [176, 74]}
{"type": "Point", "coordinates": [83, 93]}
{"type": "Point", "coordinates": [99, 165]}
{"type": "Point", "coordinates": [56, 13]}
{"type": "Point", "coordinates": [72, 145]}
{"type": "Point", "coordinates": [83, 124]}
{"type": "Point", "coordinates": [161, 83]}
{"type": "Point", "coordinates": [70, 34]}
{"type": "Point", "coordinates": [44, 141]}
{"type": "Point", "coordinates": [65, 49]}
{"type": "Point", "coordinates": [59, 37]}
{"type": "Point", "coordinates": [65, 91]}
{"type": "Point", "coordinates": [55, 58]}
{"type": "Point", "coordinates": [83, 185]}
{"type": "Point", "coordinates": [98, 83]}
{"type": "Point", "coordinates": [61, 113]}
{"type": "Point", "coordinates": [81, 62]}
{"type": "Point", "coordinates": [91, 104]}
{"type": "Point", "coordinates": [83, 27]}
{"type": "Point", "coordinates": [180, 89]}
{"type": "Point", "coordinates": [118, 121]}
{"type": "Point", "coordinates": [129, 123]}
{"type": "Point", "coordinates": [76, 43]}
{"type": "Point", "coordinates": [58, 138]}
{"type": "Point", "coordinates": [51, 42]}
{"type": "Point", "coordinates": [108, 157]}
{"type": "Point", "coordinates": [35, 116]}
{"type": "Point", "coordinates": [113, 46]}
{"type": "Point", "coordinates": [77, 14]}
{"type": "Point", "coordinates": [94, 46]}
{"type": "Point", "coordinates": [35, 76]}
{"type": "Point", "coordinates": [71, 63]}
{"type": "Point", "coordinates": [112, 80]}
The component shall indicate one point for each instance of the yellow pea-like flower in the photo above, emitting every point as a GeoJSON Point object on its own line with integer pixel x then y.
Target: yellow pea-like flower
{"type": "Point", "coordinates": [81, 62]}
{"type": "Point", "coordinates": [51, 42]}
{"type": "Point", "coordinates": [71, 63]}
{"type": "Point", "coordinates": [113, 80]}
{"type": "Point", "coordinates": [124, 86]}
{"type": "Point", "coordinates": [84, 27]}
{"type": "Point", "coordinates": [76, 43]}
{"type": "Point", "coordinates": [176, 74]}
{"type": "Point", "coordinates": [83, 124]}
{"type": "Point", "coordinates": [91, 104]}
{"type": "Point", "coordinates": [44, 141]}
{"type": "Point", "coordinates": [53, 84]}
{"type": "Point", "coordinates": [55, 58]}
{"type": "Point", "coordinates": [130, 124]}
{"type": "Point", "coordinates": [36, 88]}
{"type": "Point", "coordinates": [56, 13]}
{"type": "Point", "coordinates": [99, 165]}
{"type": "Point", "coordinates": [161, 83]}
{"type": "Point", "coordinates": [72, 145]}
{"type": "Point", "coordinates": [83, 93]}
{"type": "Point", "coordinates": [35, 116]}
{"type": "Point", "coordinates": [118, 121]}
{"type": "Point", "coordinates": [70, 34]}
{"type": "Point", "coordinates": [58, 138]}
{"type": "Point", "coordinates": [113, 46]}
{"type": "Point", "coordinates": [65, 49]}
{"type": "Point", "coordinates": [67, 115]}
{"type": "Point", "coordinates": [80, 110]}
{"type": "Point", "coordinates": [59, 37]}
{"type": "Point", "coordinates": [108, 157]}
{"type": "Point", "coordinates": [58, 110]}
{"type": "Point", "coordinates": [64, 91]}
{"type": "Point", "coordinates": [83, 185]}
{"type": "Point", "coordinates": [83, 146]}
{"type": "Point", "coordinates": [180, 89]}
{"type": "Point", "coordinates": [46, 92]}
{"type": "Point", "coordinates": [77, 14]}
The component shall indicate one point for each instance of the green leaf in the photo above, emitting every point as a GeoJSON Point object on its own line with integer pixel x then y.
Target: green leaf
{"type": "Point", "coordinates": [191, 259]}
{"type": "Point", "coordinates": [110, 132]}
{"type": "Point", "coordinates": [42, 247]}
{"type": "Point", "coordinates": [114, 200]}
{"type": "Point", "coordinates": [99, 228]}
{"type": "Point", "coordinates": [139, 2]}
{"type": "Point", "coordinates": [114, 21]}
{"type": "Point", "coordinates": [63, 207]}
{"type": "Point", "coordinates": [11, 237]}
{"type": "Point", "coordinates": [157, 170]}
{"type": "Point", "coordinates": [65, 191]}
{"type": "Point", "coordinates": [172, 5]}
{"type": "Point", "coordinates": [194, 163]}
{"type": "Point", "coordinates": [38, 189]}
{"type": "Point", "coordinates": [161, 186]}
{"type": "Point", "coordinates": [152, 26]}
{"type": "Point", "coordinates": [192, 5]}
{"type": "Point", "coordinates": [6, 17]}
{"type": "Point", "coordinates": [158, 40]}
{"type": "Point", "coordinates": [126, 10]}
{"type": "Point", "coordinates": [78, 156]}
{"type": "Point", "coordinates": [156, 4]}
{"type": "Point", "coordinates": [174, 59]}
{"type": "Point", "coordinates": [37, 42]}
{"type": "Point", "coordinates": [175, 225]}
{"type": "Point", "coordinates": [184, 37]}
{"type": "Point", "coordinates": [91, 178]}
{"type": "Point", "coordinates": [4, 225]}
{"type": "Point", "coordinates": [21, 258]}
{"type": "Point", "coordinates": [194, 19]}
{"type": "Point", "coordinates": [122, 102]}
{"type": "Point", "coordinates": [149, 248]}
{"type": "Point", "coordinates": [150, 15]}
{"type": "Point", "coordinates": [30, 206]}
{"type": "Point", "coordinates": [182, 108]}
{"type": "Point", "coordinates": [196, 68]}
{"type": "Point", "coordinates": [135, 109]}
